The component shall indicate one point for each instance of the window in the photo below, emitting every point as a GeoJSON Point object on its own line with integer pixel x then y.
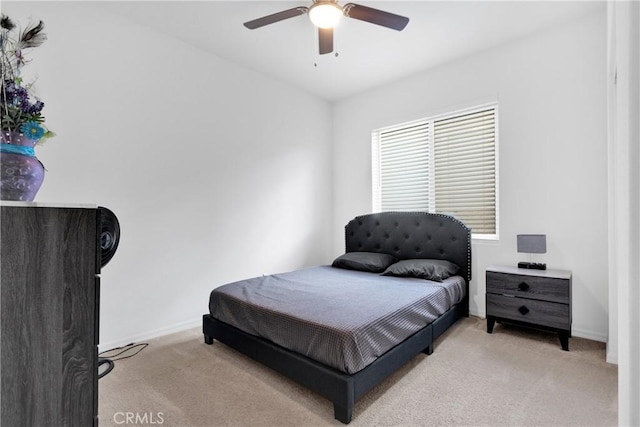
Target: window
{"type": "Point", "coordinates": [445, 164]}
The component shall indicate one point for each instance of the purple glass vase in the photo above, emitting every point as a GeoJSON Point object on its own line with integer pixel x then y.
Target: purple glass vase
{"type": "Point", "coordinates": [21, 173]}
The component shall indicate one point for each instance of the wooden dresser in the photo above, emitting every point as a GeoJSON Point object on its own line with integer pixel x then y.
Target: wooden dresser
{"type": "Point", "coordinates": [534, 298]}
{"type": "Point", "coordinates": [49, 305]}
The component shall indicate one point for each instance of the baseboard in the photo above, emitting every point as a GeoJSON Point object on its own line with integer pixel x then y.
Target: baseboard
{"type": "Point", "coordinates": [476, 313]}
{"type": "Point", "coordinates": [155, 333]}
{"type": "Point", "coordinates": [589, 335]}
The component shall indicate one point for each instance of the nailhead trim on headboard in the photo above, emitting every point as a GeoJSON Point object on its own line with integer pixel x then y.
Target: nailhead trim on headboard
{"type": "Point", "coordinates": [408, 235]}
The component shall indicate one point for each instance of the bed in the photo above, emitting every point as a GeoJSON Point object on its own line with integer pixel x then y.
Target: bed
{"type": "Point", "coordinates": [340, 331]}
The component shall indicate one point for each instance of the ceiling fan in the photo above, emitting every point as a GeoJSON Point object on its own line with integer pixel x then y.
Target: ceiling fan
{"type": "Point", "coordinates": [325, 15]}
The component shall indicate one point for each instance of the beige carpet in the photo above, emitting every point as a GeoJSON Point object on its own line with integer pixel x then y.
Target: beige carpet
{"type": "Point", "coordinates": [514, 377]}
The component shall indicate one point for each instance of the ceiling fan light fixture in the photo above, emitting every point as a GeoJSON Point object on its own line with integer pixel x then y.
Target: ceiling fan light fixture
{"type": "Point", "coordinates": [325, 14]}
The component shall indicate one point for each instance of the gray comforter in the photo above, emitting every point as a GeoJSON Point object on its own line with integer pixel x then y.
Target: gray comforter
{"type": "Point", "coordinates": [341, 318]}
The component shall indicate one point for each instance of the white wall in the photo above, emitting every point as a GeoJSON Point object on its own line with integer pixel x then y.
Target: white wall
{"type": "Point", "coordinates": [216, 173]}
{"type": "Point", "coordinates": [551, 90]}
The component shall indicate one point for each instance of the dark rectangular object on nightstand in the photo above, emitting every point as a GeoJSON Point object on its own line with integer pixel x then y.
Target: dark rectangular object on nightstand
{"type": "Point", "coordinates": [532, 265]}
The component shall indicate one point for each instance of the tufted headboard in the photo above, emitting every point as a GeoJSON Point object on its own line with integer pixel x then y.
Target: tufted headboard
{"type": "Point", "coordinates": [408, 235]}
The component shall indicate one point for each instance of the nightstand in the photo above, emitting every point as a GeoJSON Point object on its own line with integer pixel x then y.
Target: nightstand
{"type": "Point", "coordinates": [533, 298]}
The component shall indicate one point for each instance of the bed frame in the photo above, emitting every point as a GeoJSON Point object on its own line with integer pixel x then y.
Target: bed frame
{"type": "Point", "coordinates": [404, 235]}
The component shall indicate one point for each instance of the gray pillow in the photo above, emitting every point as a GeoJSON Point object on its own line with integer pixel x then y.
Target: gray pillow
{"type": "Point", "coordinates": [430, 269]}
{"type": "Point", "coordinates": [364, 261]}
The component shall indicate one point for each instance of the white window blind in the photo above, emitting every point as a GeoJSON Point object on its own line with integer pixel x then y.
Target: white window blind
{"type": "Point", "coordinates": [445, 165]}
{"type": "Point", "coordinates": [465, 179]}
{"type": "Point", "coordinates": [403, 168]}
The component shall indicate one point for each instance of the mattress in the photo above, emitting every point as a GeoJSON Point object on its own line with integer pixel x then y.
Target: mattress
{"type": "Point", "coordinates": [341, 318]}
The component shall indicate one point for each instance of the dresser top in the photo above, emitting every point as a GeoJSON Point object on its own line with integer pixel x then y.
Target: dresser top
{"type": "Point", "coordinates": [47, 205]}
{"type": "Point", "coordinates": [557, 274]}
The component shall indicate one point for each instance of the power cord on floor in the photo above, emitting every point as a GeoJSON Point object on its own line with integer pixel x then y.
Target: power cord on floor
{"type": "Point", "coordinates": [108, 360]}
{"type": "Point", "coordinates": [103, 361]}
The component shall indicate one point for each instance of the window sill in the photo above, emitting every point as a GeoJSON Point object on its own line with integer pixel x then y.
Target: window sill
{"type": "Point", "coordinates": [485, 239]}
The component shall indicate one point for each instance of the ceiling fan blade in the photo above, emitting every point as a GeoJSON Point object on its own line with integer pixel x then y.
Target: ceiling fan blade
{"type": "Point", "coordinates": [375, 16]}
{"type": "Point", "coordinates": [276, 17]}
{"type": "Point", "coordinates": [325, 37]}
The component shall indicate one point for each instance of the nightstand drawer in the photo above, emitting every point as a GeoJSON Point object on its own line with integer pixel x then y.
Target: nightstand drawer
{"type": "Point", "coordinates": [540, 288]}
{"type": "Point", "coordinates": [543, 313]}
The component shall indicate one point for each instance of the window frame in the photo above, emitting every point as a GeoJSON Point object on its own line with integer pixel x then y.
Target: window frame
{"type": "Point", "coordinates": [375, 163]}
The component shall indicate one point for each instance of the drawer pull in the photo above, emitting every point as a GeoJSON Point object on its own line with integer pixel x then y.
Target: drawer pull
{"type": "Point", "coordinates": [523, 287]}
{"type": "Point", "coordinates": [523, 310]}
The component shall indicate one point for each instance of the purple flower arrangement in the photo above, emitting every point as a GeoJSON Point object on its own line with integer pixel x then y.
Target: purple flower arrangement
{"type": "Point", "coordinates": [20, 110]}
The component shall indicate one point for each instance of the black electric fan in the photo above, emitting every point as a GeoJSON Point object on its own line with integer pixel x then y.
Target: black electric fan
{"type": "Point", "coordinates": [109, 239]}
{"type": "Point", "coordinates": [109, 235]}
